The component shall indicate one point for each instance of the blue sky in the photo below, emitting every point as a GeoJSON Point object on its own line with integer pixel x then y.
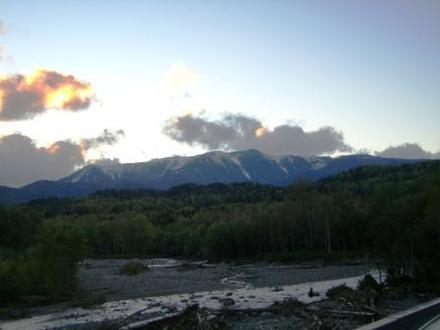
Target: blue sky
{"type": "Point", "coordinates": [370, 69]}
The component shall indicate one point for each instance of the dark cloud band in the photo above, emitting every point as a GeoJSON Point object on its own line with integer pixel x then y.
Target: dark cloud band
{"type": "Point", "coordinates": [239, 132]}
{"type": "Point", "coordinates": [408, 151]}
{"type": "Point", "coordinates": [23, 162]}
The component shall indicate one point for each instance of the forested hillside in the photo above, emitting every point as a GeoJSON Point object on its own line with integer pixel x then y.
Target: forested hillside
{"type": "Point", "coordinates": [205, 169]}
{"type": "Point", "coordinates": [388, 214]}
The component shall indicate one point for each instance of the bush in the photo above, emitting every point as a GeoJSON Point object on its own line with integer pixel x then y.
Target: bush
{"type": "Point", "coordinates": [132, 268]}
{"type": "Point", "coordinates": [369, 283]}
{"type": "Point", "coordinates": [339, 291]}
{"type": "Point", "coordinates": [9, 280]}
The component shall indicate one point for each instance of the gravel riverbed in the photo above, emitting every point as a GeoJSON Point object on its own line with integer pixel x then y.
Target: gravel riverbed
{"type": "Point", "coordinates": [168, 276]}
{"type": "Point", "coordinates": [169, 286]}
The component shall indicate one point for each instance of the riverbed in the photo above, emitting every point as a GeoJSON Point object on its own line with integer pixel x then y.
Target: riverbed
{"type": "Point", "coordinates": [169, 276]}
{"type": "Point", "coordinates": [168, 286]}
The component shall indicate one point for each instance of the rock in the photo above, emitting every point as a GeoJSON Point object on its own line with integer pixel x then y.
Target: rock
{"type": "Point", "coordinates": [172, 309]}
{"type": "Point", "coordinates": [277, 289]}
{"type": "Point", "coordinates": [16, 313]}
{"type": "Point", "coordinates": [152, 305]}
{"type": "Point", "coordinates": [227, 302]}
{"type": "Point", "coordinates": [313, 293]}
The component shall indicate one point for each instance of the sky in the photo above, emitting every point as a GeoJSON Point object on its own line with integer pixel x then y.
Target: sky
{"type": "Point", "coordinates": [137, 80]}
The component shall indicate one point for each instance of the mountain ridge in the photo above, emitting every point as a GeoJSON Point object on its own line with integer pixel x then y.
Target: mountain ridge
{"type": "Point", "coordinates": [211, 167]}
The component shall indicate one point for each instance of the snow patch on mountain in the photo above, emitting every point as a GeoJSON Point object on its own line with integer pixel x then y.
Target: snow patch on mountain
{"type": "Point", "coordinates": [220, 167]}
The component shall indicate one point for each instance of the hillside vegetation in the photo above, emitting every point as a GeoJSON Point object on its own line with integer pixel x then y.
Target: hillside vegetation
{"type": "Point", "coordinates": [387, 214]}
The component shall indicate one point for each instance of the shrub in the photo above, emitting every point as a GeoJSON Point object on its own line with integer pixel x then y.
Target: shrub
{"type": "Point", "coordinates": [339, 291]}
{"type": "Point", "coordinates": [132, 268]}
{"type": "Point", "coordinates": [369, 283]}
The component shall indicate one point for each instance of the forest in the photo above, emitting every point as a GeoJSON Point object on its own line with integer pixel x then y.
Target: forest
{"type": "Point", "coordinates": [389, 216]}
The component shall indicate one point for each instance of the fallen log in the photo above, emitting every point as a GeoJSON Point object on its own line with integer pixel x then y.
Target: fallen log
{"type": "Point", "coordinates": [144, 323]}
{"type": "Point", "coordinates": [343, 313]}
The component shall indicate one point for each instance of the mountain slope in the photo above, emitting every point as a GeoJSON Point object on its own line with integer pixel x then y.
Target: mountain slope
{"type": "Point", "coordinates": [249, 165]}
{"type": "Point", "coordinates": [211, 167]}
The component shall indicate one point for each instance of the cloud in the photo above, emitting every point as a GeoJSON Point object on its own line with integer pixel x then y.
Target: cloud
{"type": "Point", "coordinates": [105, 161]}
{"type": "Point", "coordinates": [22, 162]}
{"type": "Point", "coordinates": [408, 151]}
{"type": "Point", "coordinates": [24, 97]}
{"type": "Point", "coordinates": [239, 132]}
{"type": "Point", "coordinates": [180, 77]}
{"type": "Point", "coordinates": [107, 137]}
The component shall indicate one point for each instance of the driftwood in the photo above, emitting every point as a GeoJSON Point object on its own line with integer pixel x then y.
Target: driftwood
{"type": "Point", "coordinates": [316, 315]}
{"type": "Point", "coordinates": [125, 323]}
{"type": "Point", "coordinates": [144, 323]}
{"type": "Point", "coordinates": [118, 323]}
{"type": "Point", "coordinates": [344, 313]}
{"type": "Point", "coordinates": [189, 318]}
{"type": "Point", "coordinates": [347, 302]}
{"type": "Point", "coordinates": [317, 324]}
{"type": "Point", "coordinates": [192, 265]}
{"type": "Point", "coordinates": [343, 303]}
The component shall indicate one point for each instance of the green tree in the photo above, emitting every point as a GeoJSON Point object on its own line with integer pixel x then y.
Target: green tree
{"type": "Point", "coordinates": [54, 258]}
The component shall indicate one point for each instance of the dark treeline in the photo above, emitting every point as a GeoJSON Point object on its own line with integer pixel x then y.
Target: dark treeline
{"type": "Point", "coordinates": [389, 214]}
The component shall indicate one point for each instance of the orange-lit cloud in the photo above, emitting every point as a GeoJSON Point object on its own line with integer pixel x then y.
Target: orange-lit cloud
{"type": "Point", "coordinates": [260, 131]}
{"type": "Point", "coordinates": [23, 97]}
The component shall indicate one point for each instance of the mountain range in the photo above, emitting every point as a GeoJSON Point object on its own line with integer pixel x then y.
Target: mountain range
{"type": "Point", "coordinates": [211, 167]}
